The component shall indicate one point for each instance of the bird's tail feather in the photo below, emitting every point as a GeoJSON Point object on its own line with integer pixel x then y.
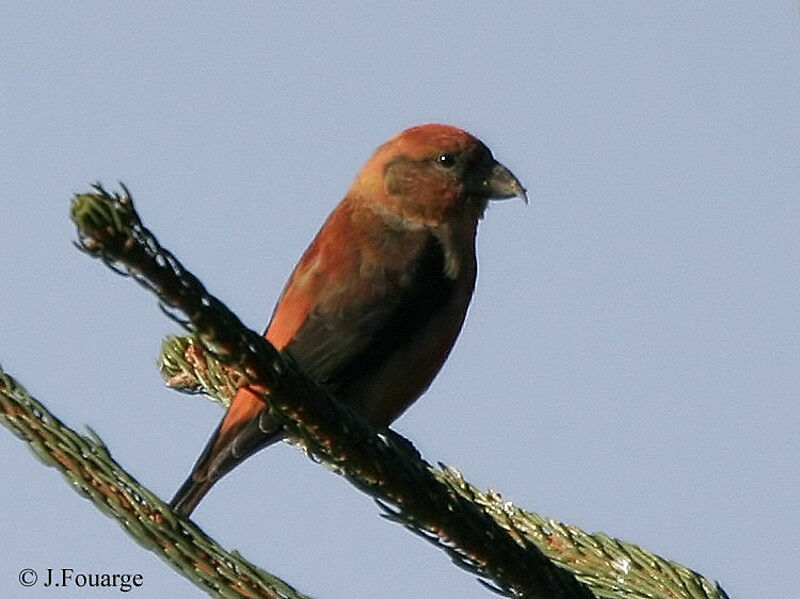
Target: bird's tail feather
{"type": "Point", "coordinates": [190, 494]}
{"type": "Point", "coordinates": [246, 428]}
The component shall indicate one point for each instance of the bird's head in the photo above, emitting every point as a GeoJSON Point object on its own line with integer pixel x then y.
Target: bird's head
{"type": "Point", "coordinates": [430, 174]}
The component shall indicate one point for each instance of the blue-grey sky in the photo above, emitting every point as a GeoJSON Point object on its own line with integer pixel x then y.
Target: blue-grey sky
{"type": "Point", "coordinates": [631, 360]}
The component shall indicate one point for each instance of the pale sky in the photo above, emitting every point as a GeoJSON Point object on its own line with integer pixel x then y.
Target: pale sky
{"type": "Point", "coordinates": [631, 360]}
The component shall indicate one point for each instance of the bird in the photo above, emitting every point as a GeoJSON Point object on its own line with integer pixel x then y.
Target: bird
{"type": "Point", "coordinates": [375, 304]}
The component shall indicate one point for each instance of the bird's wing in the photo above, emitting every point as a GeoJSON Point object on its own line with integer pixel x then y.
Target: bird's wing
{"type": "Point", "coordinates": [339, 342]}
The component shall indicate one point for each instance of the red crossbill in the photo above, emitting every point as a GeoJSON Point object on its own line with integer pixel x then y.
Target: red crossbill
{"type": "Point", "coordinates": [375, 304]}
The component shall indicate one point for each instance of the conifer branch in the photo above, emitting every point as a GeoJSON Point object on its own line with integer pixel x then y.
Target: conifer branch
{"type": "Point", "coordinates": [610, 567]}
{"type": "Point", "coordinates": [87, 464]}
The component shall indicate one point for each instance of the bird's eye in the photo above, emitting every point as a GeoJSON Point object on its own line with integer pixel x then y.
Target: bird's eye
{"type": "Point", "coordinates": [446, 160]}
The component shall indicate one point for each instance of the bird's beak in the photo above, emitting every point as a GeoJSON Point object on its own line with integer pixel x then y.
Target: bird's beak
{"type": "Point", "coordinates": [501, 184]}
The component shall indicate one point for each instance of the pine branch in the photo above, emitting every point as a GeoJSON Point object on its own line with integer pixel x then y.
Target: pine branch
{"type": "Point", "coordinates": [611, 568]}
{"type": "Point", "coordinates": [481, 533]}
{"type": "Point", "coordinates": [87, 464]}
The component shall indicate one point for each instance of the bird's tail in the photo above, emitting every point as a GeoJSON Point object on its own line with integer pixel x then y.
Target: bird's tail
{"type": "Point", "coordinates": [190, 494]}
{"type": "Point", "coordinates": [246, 428]}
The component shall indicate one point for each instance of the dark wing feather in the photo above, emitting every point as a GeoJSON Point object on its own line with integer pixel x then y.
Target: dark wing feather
{"type": "Point", "coordinates": [336, 348]}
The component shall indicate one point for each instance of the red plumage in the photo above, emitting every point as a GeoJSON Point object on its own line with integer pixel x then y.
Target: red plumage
{"type": "Point", "coordinates": [375, 304]}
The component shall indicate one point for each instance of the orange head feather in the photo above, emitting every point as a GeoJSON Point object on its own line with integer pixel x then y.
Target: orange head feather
{"type": "Point", "coordinates": [430, 174]}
